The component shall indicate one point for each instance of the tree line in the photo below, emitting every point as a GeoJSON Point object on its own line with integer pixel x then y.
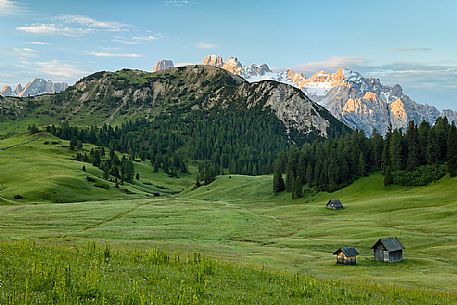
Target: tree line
{"type": "Point", "coordinates": [238, 142]}
{"type": "Point", "coordinates": [416, 156]}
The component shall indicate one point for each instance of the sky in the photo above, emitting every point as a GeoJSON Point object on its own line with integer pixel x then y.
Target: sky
{"type": "Point", "coordinates": [410, 42]}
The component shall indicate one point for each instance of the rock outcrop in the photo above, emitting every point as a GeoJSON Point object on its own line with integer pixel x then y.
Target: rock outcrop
{"type": "Point", "coordinates": [163, 65]}
{"type": "Point", "coordinates": [213, 60]}
{"type": "Point", "coordinates": [36, 87]}
{"type": "Point", "coordinates": [7, 91]}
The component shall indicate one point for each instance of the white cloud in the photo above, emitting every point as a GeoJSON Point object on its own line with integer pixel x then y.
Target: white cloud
{"type": "Point", "coordinates": [57, 69]}
{"type": "Point", "coordinates": [39, 43]}
{"type": "Point", "coordinates": [9, 7]}
{"type": "Point", "coordinates": [135, 39]}
{"type": "Point", "coordinates": [176, 3]}
{"type": "Point", "coordinates": [73, 25]}
{"type": "Point", "coordinates": [206, 45]}
{"type": "Point", "coordinates": [52, 29]}
{"type": "Point", "coordinates": [332, 63]}
{"type": "Point", "coordinates": [110, 54]}
{"type": "Point", "coordinates": [182, 64]}
{"type": "Point", "coordinates": [408, 50]}
{"type": "Point", "coordinates": [89, 22]}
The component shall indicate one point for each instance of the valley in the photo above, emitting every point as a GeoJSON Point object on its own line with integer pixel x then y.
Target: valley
{"type": "Point", "coordinates": [235, 219]}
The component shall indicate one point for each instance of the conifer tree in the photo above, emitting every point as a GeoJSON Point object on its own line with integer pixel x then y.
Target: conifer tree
{"type": "Point", "coordinates": [278, 182]}
{"type": "Point", "coordinates": [388, 177]}
{"type": "Point", "coordinates": [452, 151]}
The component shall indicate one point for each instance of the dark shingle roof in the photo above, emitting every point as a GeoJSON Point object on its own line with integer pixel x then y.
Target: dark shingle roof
{"type": "Point", "coordinates": [348, 251]}
{"type": "Point", "coordinates": [335, 202]}
{"type": "Point", "coordinates": [390, 243]}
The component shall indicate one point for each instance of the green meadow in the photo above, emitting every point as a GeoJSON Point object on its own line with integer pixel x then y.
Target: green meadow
{"type": "Point", "coordinates": [248, 235]}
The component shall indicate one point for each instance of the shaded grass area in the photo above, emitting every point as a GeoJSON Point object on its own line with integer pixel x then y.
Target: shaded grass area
{"type": "Point", "coordinates": [41, 168]}
{"type": "Point", "coordinates": [100, 274]}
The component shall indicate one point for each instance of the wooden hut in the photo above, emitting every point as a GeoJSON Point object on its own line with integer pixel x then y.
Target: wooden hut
{"type": "Point", "coordinates": [346, 256]}
{"type": "Point", "coordinates": [334, 204]}
{"type": "Point", "coordinates": [389, 250]}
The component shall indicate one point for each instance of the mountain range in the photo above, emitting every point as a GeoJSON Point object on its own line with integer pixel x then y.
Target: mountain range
{"type": "Point", "coordinates": [361, 103]}
{"type": "Point", "coordinates": [37, 86]}
{"type": "Point", "coordinates": [115, 97]}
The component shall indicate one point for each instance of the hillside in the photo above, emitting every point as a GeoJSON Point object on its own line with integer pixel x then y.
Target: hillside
{"type": "Point", "coordinates": [97, 274]}
{"type": "Point", "coordinates": [113, 98]}
{"type": "Point", "coordinates": [362, 103]}
{"type": "Point", "coordinates": [235, 218]}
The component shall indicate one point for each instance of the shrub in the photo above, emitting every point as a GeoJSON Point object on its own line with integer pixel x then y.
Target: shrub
{"type": "Point", "coordinates": [421, 176]}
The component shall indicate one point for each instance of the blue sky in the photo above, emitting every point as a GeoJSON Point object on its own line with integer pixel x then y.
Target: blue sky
{"type": "Point", "coordinates": [407, 42]}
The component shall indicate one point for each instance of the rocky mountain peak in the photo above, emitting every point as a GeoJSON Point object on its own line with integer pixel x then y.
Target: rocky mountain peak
{"type": "Point", "coordinates": [233, 65]}
{"type": "Point", "coordinates": [6, 91]}
{"type": "Point", "coordinates": [213, 60]}
{"type": "Point", "coordinates": [37, 86]}
{"type": "Point", "coordinates": [18, 89]}
{"type": "Point", "coordinates": [163, 65]}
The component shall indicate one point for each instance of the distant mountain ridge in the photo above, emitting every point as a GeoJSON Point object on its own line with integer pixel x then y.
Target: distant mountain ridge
{"type": "Point", "coordinates": [361, 103]}
{"type": "Point", "coordinates": [36, 87]}
{"type": "Point", "coordinates": [113, 97]}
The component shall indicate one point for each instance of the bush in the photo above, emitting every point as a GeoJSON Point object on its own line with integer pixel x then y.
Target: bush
{"type": "Point", "coordinates": [91, 179]}
{"type": "Point", "coordinates": [421, 176]}
{"type": "Point", "coordinates": [102, 185]}
{"type": "Point", "coordinates": [18, 196]}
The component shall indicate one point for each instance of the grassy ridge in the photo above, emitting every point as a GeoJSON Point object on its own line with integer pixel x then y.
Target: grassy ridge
{"type": "Point", "coordinates": [41, 168]}
{"type": "Point", "coordinates": [97, 274]}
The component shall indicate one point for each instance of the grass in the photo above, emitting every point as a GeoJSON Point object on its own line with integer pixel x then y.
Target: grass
{"type": "Point", "coordinates": [100, 274]}
{"type": "Point", "coordinates": [41, 168]}
{"type": "Point", "coordinates": [237, 220]}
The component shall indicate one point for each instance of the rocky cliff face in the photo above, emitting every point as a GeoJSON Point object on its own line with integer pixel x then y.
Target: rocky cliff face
{"type": "Point", "coordinates": [361, 103]}
{"type": "Point", "coordinates": [163, 65]}
{"type": "Point", "coordinates": [233, 65]}
{"type": "Point", "coordinates": [36, 87]}
{"type": "Point", "coordinates": [129, 94]}
{"type": "Point", "coordinates": [213, 60]}
{"type": "Point", "coordinates": [7, 91]}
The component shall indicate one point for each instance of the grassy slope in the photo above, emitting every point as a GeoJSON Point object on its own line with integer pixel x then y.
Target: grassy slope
{"type": "Point", "coordinates": [236, 218]}
{"type": "Point", "coordinates": [92, 274]}
{"type": "Point", "coordinates": [49, 173]}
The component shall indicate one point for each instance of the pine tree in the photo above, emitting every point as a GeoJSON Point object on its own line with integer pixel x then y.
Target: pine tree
{"type": "Point", "coordinates": [84, 168]}
{"type": "Point", "coordinates": [413, 146]}
{"type": "Point", "coordinates": [97, 160]}
{"type": "Point", "coordinates": [278, 183]}
{"type": "Point", "coordinates": [452, 151]}
{"type": "Point", "coordinates": [362, 166]}
{"type": "Point", "coordinates": [298, 189]}
{"type": "Point", "coordinates": [388, 177]}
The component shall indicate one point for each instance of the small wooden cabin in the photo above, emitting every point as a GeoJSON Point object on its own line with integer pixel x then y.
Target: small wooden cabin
{"type": "Point", "coordinates": [334, 204]}
{"type": "Point", "coordinates": [346, 256]}
{"type": "Point", "coordinates": [389, 250]}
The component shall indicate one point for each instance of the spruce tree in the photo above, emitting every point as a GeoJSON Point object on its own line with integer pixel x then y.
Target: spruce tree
{"type": "Point", "coordinates": [452, 151]}
{"type": "Point", "coordinates": [413, 146]}
{"type": "Point", "coordinates": [388, 177]}
{"type": "Point", "coordinates": [297, 189]}
{"type": "Point", "coordinates": [278, 183]}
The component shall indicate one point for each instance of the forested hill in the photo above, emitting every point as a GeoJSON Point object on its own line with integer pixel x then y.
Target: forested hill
{"type": "Point", "coordinates": [182, 114]}
{"type": "Point", "coordinates": [116, 97]}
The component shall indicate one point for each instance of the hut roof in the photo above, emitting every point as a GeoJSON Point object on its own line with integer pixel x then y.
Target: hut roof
{"type": "Point", "coordinates": [335, 202]}
{"type": "Point", "coordinates": [348, 251]}
{"type": "Point", "coordinates": [390, 243]}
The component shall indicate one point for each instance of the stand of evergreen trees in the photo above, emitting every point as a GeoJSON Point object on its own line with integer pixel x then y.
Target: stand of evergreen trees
{"type": "Point", "coordinates": [416, 157]}
{"type": "Point", "coordinates": [241, 142]}
{"type": "Point", "coordinates": [121, 170]}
